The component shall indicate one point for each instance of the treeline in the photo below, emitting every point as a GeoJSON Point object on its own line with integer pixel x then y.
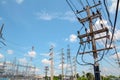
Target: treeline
{"type": "Point", "coordinates": [89, 76]}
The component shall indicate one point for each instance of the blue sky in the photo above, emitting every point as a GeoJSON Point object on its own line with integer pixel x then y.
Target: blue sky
{"type": "Point", "coordinates": [42, 23]}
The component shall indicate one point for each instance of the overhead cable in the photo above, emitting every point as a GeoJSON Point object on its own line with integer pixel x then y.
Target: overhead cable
{"type": "Point", "coordinates": [115, 20]}
{"type": "Point", "coordinates": [81, 3]}
{"type": "Point", "coordinates": [108, 14]}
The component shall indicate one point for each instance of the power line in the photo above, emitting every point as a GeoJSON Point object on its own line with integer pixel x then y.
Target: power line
{"type": "Point", "coordinates": [81, 3]}
{"type": "Point", "coordinates": [83, 55]}
{"type": "Point", "coordinates": [116, 14]}
{"type": "Point", "coordinates": [71, 7]}
{"type": "Point", "coordinates": [117, 56]}
{"type": "Point", "coordinates": [108, 14]}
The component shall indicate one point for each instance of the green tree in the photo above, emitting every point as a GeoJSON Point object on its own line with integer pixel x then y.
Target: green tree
{"type": "Point", "coordinates": [79, 78]}
{"type": "Point", "coordinates": [83, 78]}
{"type": "Point", "coordinates": [55, 78]}
{"type": "Point", "coordinates": [111, 76]}
{"type": "Point", "coordinates": [104, 78]}
{"type": "Point", "coordinates": [90, 76]}
{"type": "Point", "coordinates": [83, 73]}
{"type": "Point", "coordinates": [77, 75]}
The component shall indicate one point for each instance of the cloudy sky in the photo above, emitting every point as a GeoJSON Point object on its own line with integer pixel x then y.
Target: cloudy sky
{"type": "Point", "coordinates": [42, 23]}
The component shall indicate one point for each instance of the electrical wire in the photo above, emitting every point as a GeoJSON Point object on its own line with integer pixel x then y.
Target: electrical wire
{"type": "Point", "coordinates": [103, 13]}
{"type": "Point", "coordinates": [118, 59]}
{"type": "Point", "coordinates": [117, 6]}
{"type": "Point", "coordinates": [94, 1]}
{"type": "Point", "coordinates": [109, 63]}
{"type": "Point", "coordinates": [103, 43]}
{"type": "Point", "coordinates": [108, 14]}
{"type": "Point", "coordinates": [83, 55]}
{"type": "Point", "coordinates": [89, 5]}
{"type": "Point", "coordinates": [116, 14]}
{"type": "Point", "coordinates": [70, 3]}
{"type": "Point", "coordinates": [73, 4]}
{"type": "Point", "coordinates": [81, 3]}
{"type": "Point", "coordinates": [77, 57]}
{"type": "Point", "coordinates": [71, 8]}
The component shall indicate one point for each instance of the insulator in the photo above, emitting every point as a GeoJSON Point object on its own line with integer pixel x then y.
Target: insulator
{"type": "Point", "coordinates": [78, 32]}
{"type": "Point", "coordinates": [86, 29]}
{"type": "Point", "coordinates": [93, 13]}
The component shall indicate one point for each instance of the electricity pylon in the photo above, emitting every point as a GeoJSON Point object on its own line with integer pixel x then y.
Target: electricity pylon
{"type": "Point", "coordinates": [69, 71]}
{"type": "Point", "coordinates": [62, 64]}
{"type": "Point", "coordinates": [52, 62]}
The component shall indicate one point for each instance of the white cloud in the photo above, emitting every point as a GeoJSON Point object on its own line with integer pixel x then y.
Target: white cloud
{"type": "Point", "coordinates": [105, 24]}
{"type": "Point", "coordinates": [44, 16]}
{"type": "Point", "coordinates": [69, 16]}
{"type": "Point", "coordinates": [10, 51]}
{"type": "Point", "coordinates": [23, 60]}
{"type": "Point", "coordinates": [32, 54]}
{"type": "Point", "coordinates": [45, 61]}
{"type": "Point", "coordinates": [19, 1]}
{"type": "Point", "coordinates": [98, 27]}
{"type": "Point", "coordinates": [112, 8]}
{"type": "Point", "coordinates": [117, 35]}
{"type": "Point", "coordinates": [64, 66]}
{"type": "Point", "coordinates": [1, 56]}
{"type": "Point", "coordinates": [73, 38]}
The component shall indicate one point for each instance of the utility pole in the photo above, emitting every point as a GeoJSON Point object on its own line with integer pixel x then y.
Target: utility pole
{"type": "Point", "coordinates": [92, 34]}
{"type": "Point", "coordinates": [62, 64]}
{"type": "Point", "coordinates": [46, 71]}
{"type": "Point", "coordinates": [31, 58]}
{"type": "Point", "coordinates": [30, 63]}
{"type": "Point", "coordinates": [52, 62]}
{"type": "Point", "coordinates": [13, 68]}
{"type": "Point", "coordinates": [96, 64]}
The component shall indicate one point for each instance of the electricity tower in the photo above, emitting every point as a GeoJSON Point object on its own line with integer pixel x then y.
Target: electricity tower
{"type": "Point", "coordinates": [62, 64]}
{"type": "Point", "coordinates": [46, 72]}
{"type": "Point", "coordinates": [69, 71]}
{"type": "Point", "coordinates": [52, 62]}
{"type": "Point", "coordinates": [74, 68]}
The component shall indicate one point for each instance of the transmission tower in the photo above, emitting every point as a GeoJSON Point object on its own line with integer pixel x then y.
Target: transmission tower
{"type": "Point", "coordinates": [46, 72]}
{"type": "Point", "coordinates": [31, 58]}
{"type": "Point", "coordinates": [52, 61]}
{"type": "Point", "coordinates": [74, 68]}
{"type": "Point", "coordinates": [69, 71]}
{"type": "Point", "coordinates": [62, 64]}
{"type": "Point", "coordinates": [1, 35]}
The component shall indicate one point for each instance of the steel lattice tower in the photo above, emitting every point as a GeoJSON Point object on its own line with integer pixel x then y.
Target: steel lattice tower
{"type": "Point", "coordinates": [69, 71]}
